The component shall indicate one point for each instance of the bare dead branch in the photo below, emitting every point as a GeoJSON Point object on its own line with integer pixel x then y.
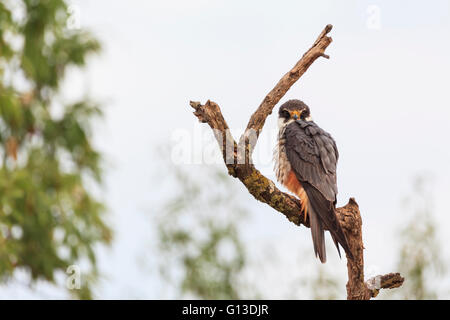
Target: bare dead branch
{"type": "Point", "coordinates": [263, 189]}
{"type": "Point", "coordinates": [258, 118]}
{"type": "Point", "coordinates": [387, 281]}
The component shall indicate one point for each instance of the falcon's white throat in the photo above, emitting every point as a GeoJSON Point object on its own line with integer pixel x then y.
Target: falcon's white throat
{"type": "Point", "coordinates": [282, 166]}
{"type": "Point", "coordinates": [282, 123]}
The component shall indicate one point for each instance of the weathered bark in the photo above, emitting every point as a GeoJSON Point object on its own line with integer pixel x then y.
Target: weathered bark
{"type": "Point", "coordinates": [350, 220]}
{"type": "Point", "coordinates": [237, 158]}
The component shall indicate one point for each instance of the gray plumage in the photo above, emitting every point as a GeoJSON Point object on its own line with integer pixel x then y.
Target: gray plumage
{"type": "Point", "coordinates": [313, 156]}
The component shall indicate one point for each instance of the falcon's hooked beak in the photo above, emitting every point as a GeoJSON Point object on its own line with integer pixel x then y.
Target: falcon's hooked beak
{"type": "Point", "coordinates": [296, 114]}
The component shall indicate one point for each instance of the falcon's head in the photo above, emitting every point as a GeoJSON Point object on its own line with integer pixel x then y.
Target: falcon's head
{"type": "Point", "coordinates": [293, 110]}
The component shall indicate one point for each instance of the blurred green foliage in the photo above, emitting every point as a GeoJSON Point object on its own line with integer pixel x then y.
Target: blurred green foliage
{"type": "Point", "coordinates": [48, 218]}
{"type": "Point", "coordinates": [325, 286]}
{"type": "Point", "coordinates": [201, 250]}
{"type": "Point", "coordinates": [421, 260]}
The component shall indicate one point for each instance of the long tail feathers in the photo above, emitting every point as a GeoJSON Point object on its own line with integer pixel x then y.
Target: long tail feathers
{"type": "Point", "coordinates": [336, 243]}
{"type": "Point", "coordinates": [318, 235]}
{"type": "Point", "coordinates": [322, 213]}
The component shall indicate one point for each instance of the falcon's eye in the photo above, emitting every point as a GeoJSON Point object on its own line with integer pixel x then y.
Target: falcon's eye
{"type": "Point", "coordinates": [304, 115]}
{"type": "Point", "coordinates": [286, 114]}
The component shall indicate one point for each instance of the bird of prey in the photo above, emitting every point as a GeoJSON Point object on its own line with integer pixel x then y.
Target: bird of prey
{"type": "Point", "coordinates": [305, 163]}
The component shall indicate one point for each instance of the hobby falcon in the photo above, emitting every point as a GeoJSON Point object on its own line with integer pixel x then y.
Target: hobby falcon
{"type": "Point", "coordinates": [305, 163]}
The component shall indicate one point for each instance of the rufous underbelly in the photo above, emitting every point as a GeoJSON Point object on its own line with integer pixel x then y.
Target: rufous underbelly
{"type": "Point", "coordinates": [295, 187]}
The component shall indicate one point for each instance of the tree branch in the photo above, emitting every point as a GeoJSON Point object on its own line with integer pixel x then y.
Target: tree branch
{"type": "Point", "coordinates": [258, 118]}
{"type": "Point", "coordinates": [387, 281]}
{"type": "Point", "coordinates": [237, 158]}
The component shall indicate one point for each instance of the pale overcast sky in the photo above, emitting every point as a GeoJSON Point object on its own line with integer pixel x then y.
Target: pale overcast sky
{"type": "Point", "coordinates": [383, 95]}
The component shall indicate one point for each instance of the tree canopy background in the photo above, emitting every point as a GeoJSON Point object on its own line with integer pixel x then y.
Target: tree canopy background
{"type": "Point", "coordinates": [49, 218]}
